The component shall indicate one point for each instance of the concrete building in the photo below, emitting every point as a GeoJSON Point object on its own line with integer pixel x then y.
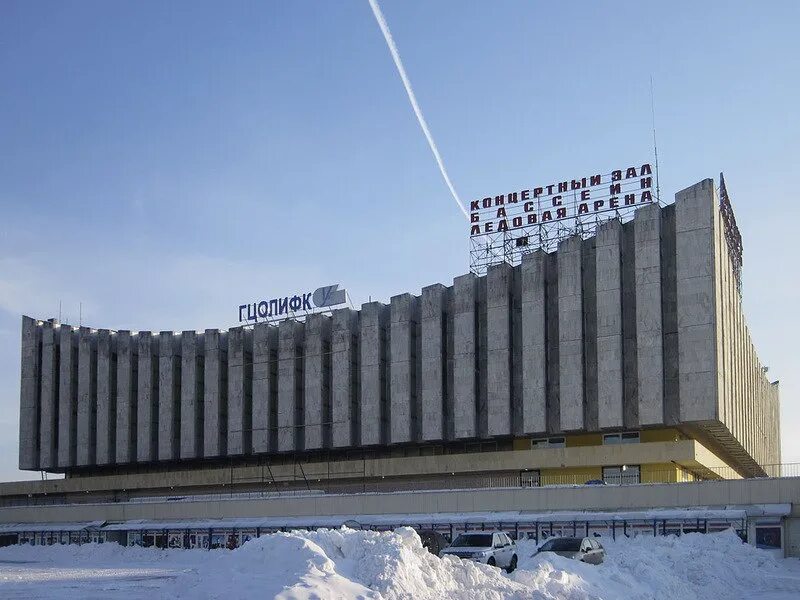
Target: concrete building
{"type": "Point", "coordinates": [624, 357]}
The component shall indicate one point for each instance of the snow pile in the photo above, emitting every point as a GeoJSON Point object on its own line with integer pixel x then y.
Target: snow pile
{"type": "Point", "coordinates": [694, 566]}
{"type": "Point", "coordinates": [348, 564]}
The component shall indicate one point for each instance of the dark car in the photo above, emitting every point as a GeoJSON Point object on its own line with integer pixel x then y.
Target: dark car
{"type": "Point", "coordinates": [585, 549]}
{"type": "Point", "coordinates": [433, 541]}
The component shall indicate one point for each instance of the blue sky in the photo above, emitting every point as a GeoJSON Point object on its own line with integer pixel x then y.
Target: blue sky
{"type": "Point", "coordinates": [161, 163]}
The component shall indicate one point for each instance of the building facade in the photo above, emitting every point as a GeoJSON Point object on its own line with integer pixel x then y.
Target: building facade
{"type": "Point", "coordinates": [624, 356]}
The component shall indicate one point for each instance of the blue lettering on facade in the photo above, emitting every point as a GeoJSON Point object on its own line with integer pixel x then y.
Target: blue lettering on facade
{"type": "Point", "coordinates": [321, 298]}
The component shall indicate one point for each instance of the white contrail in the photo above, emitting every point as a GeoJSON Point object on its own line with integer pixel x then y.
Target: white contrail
{"type": "Point", "coordinates": [376, 10]}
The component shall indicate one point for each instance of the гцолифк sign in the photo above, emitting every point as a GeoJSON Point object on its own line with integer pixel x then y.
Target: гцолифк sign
{"type": "Point", "coordinates": [323, 297]}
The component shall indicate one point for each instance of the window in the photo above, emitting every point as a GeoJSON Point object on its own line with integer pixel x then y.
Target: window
{"type": "Point", "coordinates": [562, 545]}
{"type": "Point", "coordinates": [553, 442]}
{"type": "Point", "coordinates": [628, 437]}
{"type": "Point", "coordinates": [529, 479]}
{"type": "Point", "coordinates": [768, 538]}
{"type": "Point", "coordinates": [624, 474]}
{"type": "Point", "coordinates": [475, 540]}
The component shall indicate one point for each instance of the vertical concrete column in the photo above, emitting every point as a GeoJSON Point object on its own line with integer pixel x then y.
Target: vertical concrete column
{"type": "Point", "coordinates": [106, 397]}
{"type": "Point", "coordinates": [215, 394]}
{"type": "Point", "coordinates": [127, 380]}
{"type": "Point", "coordinates": [290, 386]}
{"type": "Point", "coordinates": [29, 394]}
{"type": "Point", "coordinates": [433, 316]}
{"type": "Point", "coordinates": [669, 312]}
{"type": "Point", "coordinates": [265, 387]}
{"type": "Point", "coordinates": [344, 378]}
{"type": "Point", "coordinates": [649, 328]}
{"type": "Point", "coordinates": [695, 211]}
{"type": "Point", "coordinates": [465, 333]}
{"type": "Point", "coordinates": [608, 265]}
{"type": "Point", "coordinates": [317, 382]}
{"type": "Point", "coordinates": [67, 397]}
{"type": "Point", "coordinates": [192, 375]}
{"type": "Point", "coordinates": [534, 330]}
{"type": "Point", "coordinates": [630, 376]}
{"type": "Point", "coordinates": [169, 397]}
{"type": "Point", "coordinates": [87, 397]}
{"type": "Point", "coordinates": [570, 330]}
{"type": "Point", "coordinates": [402, 413]}
{"type": "Point", "coordinates": [48, 425]}
{"type": "Point", "coordinates": [373, 373]}
{"type": "Point", "coordinates": [499, 281]}
{"type": "Point", "coordinates": [147, 398]}
{"type": "Point", "coordinates": [552, 345]}
{"type": "Point", "coordinates": [240, 369]}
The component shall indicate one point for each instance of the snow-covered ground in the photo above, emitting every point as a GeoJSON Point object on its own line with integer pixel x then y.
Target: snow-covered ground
{"type": "Point", "coordinates": [358, 564]}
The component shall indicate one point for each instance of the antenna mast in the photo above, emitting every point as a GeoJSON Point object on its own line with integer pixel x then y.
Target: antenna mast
{"type": "Point", "coordinates": [655, 144]}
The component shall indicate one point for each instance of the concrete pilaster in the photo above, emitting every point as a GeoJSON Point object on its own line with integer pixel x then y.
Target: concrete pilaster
{"type": "Point", "coordinates": [87, 397]}
{"type": "Point", "coordinates": [630, 376]}
{"type": "Point", "coordinates": [48, 422]}
{"type": "Point", "coordinates": [344, 378]}
{"type": "Point", "coordinates": [169, 400]}
{"type": "Point", "coordinates": [106, 397]}
{"type": "Point", "coordinates": [29, 395]}
{"type": "Point", "coordinates": [465, 391]}
{"type": "Point", "coordinates": [570, 329]}
{"type": "Point", "coordinates": [374, 391]}
{"type": "Point", "coordinates": [669, 304]}
{"type": "Point", "coordinates": [608, 264]}
{"type": "Point", "coordinates": [215, 394]}
{"type": "Point", "coordinates": [697, 336]}
{"type": "Point", "coordinates": [265, 387]}
{"type": "Point", "coordinates": [147, 398]}
{"type": "Point", "coordinates": [649, 328]}
{"type": "Point", "coordinates": [402, 414]}
{"type": "Point", "coordinates": [534, 375]}
{"type": "Point", "coordinates": [499, 281]}
{"type": "Point", "coordinates": [240, 369]}
{"type": "Point", "coordinates": [290, 386]}
{"type": "Point", "coordinates": [433, 316]}
{"type": "Point", "coordinates": [67, 397]}
{"type": "Point", "coordinates": [192, 374]}
{"type": "Point", "coordinates": [552, 344]}
{"type": "Point", "coordinates": [127, 392]}
{"type": "Point", "coordinates": [317, 382]}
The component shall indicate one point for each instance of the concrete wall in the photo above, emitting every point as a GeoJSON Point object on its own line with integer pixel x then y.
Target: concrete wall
{"type": "Point", "coordinates": [638, 327]}
{"type": "Point", "coordinates": [723, 494]}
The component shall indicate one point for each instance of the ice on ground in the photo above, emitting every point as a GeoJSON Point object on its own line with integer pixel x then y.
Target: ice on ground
{"type": "Point", "coordinates": [394, 565]}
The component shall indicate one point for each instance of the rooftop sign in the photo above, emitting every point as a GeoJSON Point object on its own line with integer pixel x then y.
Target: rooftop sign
{"type": "Point", "coordinates": [297, 305]}
{"type": "Point", "coordinates": [504, 227]}
{"type": "Point", "coordinates": [562, 200]}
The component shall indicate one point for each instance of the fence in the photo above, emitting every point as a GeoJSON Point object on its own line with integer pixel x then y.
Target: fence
{"type": "Point", "coordinates": [230, 537]}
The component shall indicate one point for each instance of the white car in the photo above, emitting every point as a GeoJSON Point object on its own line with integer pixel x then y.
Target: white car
{"type": "Point", "coordinates": [494, 548]}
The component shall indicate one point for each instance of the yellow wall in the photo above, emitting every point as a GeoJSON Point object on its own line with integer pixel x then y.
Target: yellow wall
{"type": "Point", "coordinates": [660, 435]}
{"type": "Point", "coordinates": [658, 473]}
{"type": "Point", "coordinates": [652, 473]}
{"type": "Point", "coordinates": [588, 439]}
{"type": "Point", "coordinates": [649, 473]}
{"type": "Point", "coordinates": [596, 439]}
{"type": "Point", "coordinates": [569, 475]}
{"type": "Point", "coordinates": [522, 443]}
